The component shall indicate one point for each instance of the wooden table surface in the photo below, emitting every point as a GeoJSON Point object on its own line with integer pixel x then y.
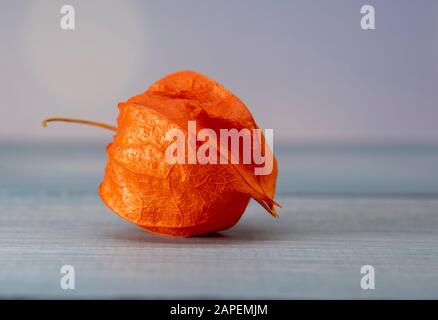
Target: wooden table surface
{"type": "Point", "coordinates": [314, 250]}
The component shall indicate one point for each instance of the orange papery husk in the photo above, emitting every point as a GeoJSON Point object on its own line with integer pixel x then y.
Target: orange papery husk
{"type": "Point", "coordinates": [180, 199]}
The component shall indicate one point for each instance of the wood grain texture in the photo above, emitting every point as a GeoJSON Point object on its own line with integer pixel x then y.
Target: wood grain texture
{"type": "Point", "coordinates": [314, 250]}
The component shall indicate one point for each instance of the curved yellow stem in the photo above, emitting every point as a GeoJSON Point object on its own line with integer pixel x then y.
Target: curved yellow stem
{"type": "Point", "coordinates": [87, 122]}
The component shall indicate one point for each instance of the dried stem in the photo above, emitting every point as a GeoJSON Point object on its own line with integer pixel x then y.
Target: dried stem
{"type": "Point", "coordinates": [87, 122]}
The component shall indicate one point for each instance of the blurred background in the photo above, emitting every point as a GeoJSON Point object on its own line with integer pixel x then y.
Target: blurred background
{"type": "Point", "coordinates": [354, 115]}
{"type": "Point", "coordinates": [353, 111]}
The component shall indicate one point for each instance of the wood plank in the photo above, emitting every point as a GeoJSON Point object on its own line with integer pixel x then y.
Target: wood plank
{"type": "Point", "coordinates": [314, 250]}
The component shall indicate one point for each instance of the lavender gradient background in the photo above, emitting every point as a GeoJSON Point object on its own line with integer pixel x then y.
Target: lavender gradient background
{"type": "Point", "coordinates": [304, 68]}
